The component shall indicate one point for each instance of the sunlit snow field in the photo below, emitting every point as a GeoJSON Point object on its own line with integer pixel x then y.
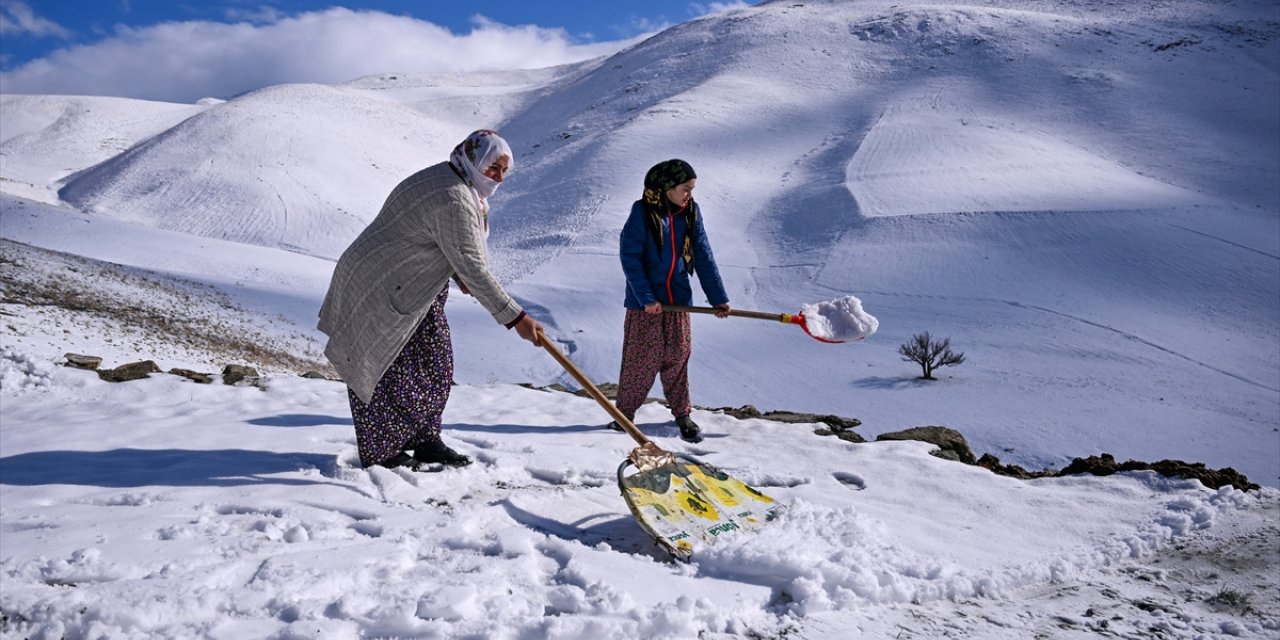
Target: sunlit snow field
{"type": "Point", "coordinates": [1083, 198]}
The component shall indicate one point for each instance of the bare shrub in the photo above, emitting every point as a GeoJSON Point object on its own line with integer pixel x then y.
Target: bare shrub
{"type": "Point", "coordinates": [930, 354]}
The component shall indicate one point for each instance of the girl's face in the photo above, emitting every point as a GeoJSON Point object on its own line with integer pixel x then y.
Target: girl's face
{"type": "Point", "coordinates": [680, 194]}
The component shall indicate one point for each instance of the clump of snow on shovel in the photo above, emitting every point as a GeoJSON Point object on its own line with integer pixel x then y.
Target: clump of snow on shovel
{"type": "Point", "coordinates": [840, 320]}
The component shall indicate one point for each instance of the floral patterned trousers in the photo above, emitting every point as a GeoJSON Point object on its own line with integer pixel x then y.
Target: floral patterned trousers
{"type": "Point", "coordinates": [655, 344]}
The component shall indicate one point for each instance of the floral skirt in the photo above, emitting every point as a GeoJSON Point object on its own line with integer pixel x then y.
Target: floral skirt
{"type": "Point", "coordinates": [408, 401]}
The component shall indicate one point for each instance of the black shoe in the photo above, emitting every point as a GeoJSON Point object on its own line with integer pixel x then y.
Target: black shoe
{"type": "Point", "coordinates": [401, 459]}
{"type": "Point", "coordinates": [439, 452]}
{"type": "Point", "coordinates": [689, 430]}
{"type": "Point", "coordinates": [615, 426]}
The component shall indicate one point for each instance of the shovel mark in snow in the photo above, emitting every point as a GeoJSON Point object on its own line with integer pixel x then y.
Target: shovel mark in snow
{"type": "Point", "coordinates": [28, 526]}
{"type": "Point", "coordinates": [569, 477]}
{"type": "Point", "coordinates": [249, 510]}
{"type": "Point", "coordinates": [126, 500]}
{"type": "Point", "coordinates": [760, 480]}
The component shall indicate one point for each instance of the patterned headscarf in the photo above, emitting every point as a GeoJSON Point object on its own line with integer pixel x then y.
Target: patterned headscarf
{"type": "Point", "coordinates": [660, 178]}
{"type": "Point", "coordinates": [473, 155]}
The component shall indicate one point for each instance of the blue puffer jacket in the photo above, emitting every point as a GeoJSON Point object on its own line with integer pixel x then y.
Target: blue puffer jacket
{"type": "Point", "coordinates": [656, 271]}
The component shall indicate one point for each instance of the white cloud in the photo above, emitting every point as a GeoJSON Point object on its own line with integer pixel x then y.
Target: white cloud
{"type": "Point", "coordinates": [708, 8]}
{"type": "Point", "coordinates": [257, 15]}
{"type": "Point", "coordinates": [648, 25]}
{"type": "Point", "coordinates": [186, 61]}
{"type": "Point", "coordinates": [18, 18]}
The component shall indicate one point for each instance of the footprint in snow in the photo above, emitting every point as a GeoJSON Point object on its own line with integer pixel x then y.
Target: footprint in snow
{"type": "Point", "coordinates": [851, 480]}
{"type": "Point", "coordinates": [369, 529]}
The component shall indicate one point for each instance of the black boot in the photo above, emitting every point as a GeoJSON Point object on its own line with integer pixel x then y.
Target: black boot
{"type": "Point", "coordinates": [689, 430]}
{"type": "Point", "coordinates": [401, 459]}
{"type": "Point", "coordinates": [439, 452]}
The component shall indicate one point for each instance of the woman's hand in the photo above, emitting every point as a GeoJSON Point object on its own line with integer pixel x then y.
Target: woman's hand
{"type": "Point", "coordinates": [722, 310]}
{"type": "Point", "coordinates": [653, 307]}
{"type": "Point", "coordinates": [528, 328]}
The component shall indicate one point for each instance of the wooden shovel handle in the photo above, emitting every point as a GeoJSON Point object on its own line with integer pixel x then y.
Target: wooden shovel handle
{"type": "Point", "coordinates": [784, 318]}
{"type": "Point", "coordinates": [595, 393]}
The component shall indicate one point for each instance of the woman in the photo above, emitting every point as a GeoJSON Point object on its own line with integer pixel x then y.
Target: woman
{"type": "Point", "coordinates": [663, 243]}
{"type": "Point", "coordinates": [384, 312]}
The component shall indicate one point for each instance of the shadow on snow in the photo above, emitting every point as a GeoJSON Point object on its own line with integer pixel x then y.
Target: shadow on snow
{"type": "Point", "coordinates": [621, 533]}
{"type": "Point", "coordinates": [162, 467]}
{"type": "Point", "coordinates": [300, 420]}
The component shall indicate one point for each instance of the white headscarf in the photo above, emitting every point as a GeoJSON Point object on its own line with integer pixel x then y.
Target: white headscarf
{"type": "Point", "coordinates": [472, 156]}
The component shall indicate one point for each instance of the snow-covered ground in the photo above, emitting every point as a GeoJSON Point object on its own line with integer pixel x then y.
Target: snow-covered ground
{"type": "Point", "coordinates": [1083, 196]}
{"type": "Point", "coordinates": [164, 508]}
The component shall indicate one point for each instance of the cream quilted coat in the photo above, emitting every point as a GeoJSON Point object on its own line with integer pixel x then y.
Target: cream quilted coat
{"type": "Point", "coordinates": [383, 285]}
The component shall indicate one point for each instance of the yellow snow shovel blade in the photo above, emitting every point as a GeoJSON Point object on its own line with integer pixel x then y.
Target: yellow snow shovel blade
{"type": "Point", "coordinates": [687, 504]}
{"type": "Point", "coordinates": [682, 503]}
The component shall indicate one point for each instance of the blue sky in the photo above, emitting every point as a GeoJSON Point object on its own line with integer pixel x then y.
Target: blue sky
{"type": "Point", "coordinates": [183, 50]}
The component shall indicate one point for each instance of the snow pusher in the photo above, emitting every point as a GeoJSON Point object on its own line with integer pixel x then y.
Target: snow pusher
{"type": "Point", "coordinates": [835, 322]}
{"type": "Point", "coordinates": [682, 503]}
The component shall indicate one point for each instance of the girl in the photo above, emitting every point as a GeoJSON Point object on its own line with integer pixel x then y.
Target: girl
{"type": "Point", "coordinates": [663, 243]}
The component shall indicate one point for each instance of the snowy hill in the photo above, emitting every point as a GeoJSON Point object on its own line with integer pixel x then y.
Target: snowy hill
{"type": "Point", "coordinates": [297, 167]}
{"type": "Point", "coordinates": [1083, 196]}
{"type": "Point", "coordinates": [47, 138]}
{"type": "Point", "coordinates": [1031, 180]}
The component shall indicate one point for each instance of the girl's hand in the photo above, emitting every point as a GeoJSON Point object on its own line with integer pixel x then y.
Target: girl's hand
{"type": "Point", "coordinates": [653, 307]}
{"type": "Point", "coordinates": [722, 310]}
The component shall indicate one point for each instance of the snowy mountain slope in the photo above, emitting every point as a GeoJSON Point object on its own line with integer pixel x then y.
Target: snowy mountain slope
{"type": "Point", "coordinates": [296, 167]}
{"type": "Point", "coordinates": [46, 138]}
{"type": "Point", "coordinates": [884, 110]}
{"type": "Point", "coordinates": [117, 313]}
{"type": "Point", "coordinates": [816, 84]}
{"type": "Point", "coordinates": [267, 282]}
{"type": "Point", "coordinates": [1080, 195]}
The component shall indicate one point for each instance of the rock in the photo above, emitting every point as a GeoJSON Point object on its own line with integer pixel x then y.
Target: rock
{"type": "Point", "coordinates": [952, 445]}
{"type": "Point", "coordinates": [131, 371]}
{"type": "Point", "coordinates": [837, 423]}
{"type": "Point", "coordinates": [838, 426]}
{"type": "Point", "coordinates": [235, 373]}
{"type": "Point", "coordinates": [992, 464]}
{"type": "Point", "coordinates": [741, 413]}
{"type": "Point", "coordinates": [82, 362]}
{"type": "Point", "coordinates": [847, 436]}
{"type": "Point", "coordinates": [1105, 465]}
{"type": "Point", "coordinates": [201, 378]}
{"type": "Point", "coordinates": [315, 375]}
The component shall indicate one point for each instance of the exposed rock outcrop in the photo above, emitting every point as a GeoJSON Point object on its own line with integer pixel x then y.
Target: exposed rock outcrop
{"type": "Point", "coordinates": [130, 371]}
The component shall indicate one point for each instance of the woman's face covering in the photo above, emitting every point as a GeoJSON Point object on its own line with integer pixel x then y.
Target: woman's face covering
{"type": "Point", "coordinates": [497, 171]}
